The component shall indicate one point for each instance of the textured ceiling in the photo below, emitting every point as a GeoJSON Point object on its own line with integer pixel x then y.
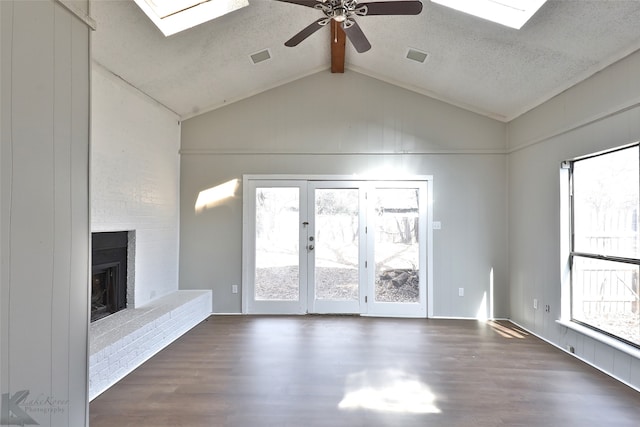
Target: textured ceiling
{"type": "Point", "coordinates": [481, 66]}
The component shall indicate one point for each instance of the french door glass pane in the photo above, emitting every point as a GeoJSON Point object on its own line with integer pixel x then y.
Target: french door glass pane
{"type": "Point", "coordinates": [336, 244]}
{"type": "Point", "coordinates": [277, 275]}
{"type": "Point", "coordinates": [606, 204]}
{"type": "Point", "coordinates": [396, 245]}
{"type": "Point", "coordinates": [605, 295]}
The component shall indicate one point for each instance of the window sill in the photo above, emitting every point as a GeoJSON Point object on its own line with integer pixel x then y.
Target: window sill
{"type": "Point", "coordinates": [605, 339]}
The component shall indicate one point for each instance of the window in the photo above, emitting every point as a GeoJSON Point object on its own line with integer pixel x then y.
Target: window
{"type": "Point", "coordinates": [173, 16]}
{"type": "Point", "coordinates": [511, 13]}
{"type": "Point", "coordinates": [605, 243]}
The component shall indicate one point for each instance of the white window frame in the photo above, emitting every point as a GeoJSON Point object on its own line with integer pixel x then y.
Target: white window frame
{"type": "Point", "coordinates": [567, 253]}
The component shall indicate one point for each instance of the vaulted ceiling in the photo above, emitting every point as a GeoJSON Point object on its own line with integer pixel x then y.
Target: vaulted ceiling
{"type": "Point", "coordinates": [472, 63]}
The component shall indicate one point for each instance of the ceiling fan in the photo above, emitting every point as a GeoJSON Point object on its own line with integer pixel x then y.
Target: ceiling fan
{"type": "Point", "coordinates": [341, 14]}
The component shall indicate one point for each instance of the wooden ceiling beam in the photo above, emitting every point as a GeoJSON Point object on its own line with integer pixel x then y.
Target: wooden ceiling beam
{"type": "Point", "coordinates": [338, 40]}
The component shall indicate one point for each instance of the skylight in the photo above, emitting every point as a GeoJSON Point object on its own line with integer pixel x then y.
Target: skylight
{"type": "Point", "coordinates": [511, 13]}
{"type": "Point", "coordinates": [173, 16]}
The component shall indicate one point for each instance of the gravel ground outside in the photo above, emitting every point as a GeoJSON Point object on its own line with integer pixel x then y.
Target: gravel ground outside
{"type": "Point", "coordinates": [282, 283]}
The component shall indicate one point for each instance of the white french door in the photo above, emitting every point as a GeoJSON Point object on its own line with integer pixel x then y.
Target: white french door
{"type": "Point", "coordinates": [397, 243]}
{"type": "Point", "coordinates": [274, 247]}
{"type": "Point", "coordinates": [335, 246]}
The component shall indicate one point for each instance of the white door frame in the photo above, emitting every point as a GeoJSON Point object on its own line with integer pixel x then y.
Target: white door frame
{"type": "Point", "coordinates": [248, 207]}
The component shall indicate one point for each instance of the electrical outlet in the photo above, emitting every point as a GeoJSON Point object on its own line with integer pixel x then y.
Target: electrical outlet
{"type": "Point", "coordinates": [437, 225]}
{"type": "Point", "coordinates": [460, 292]}
{"type": "Point", "coordinates": [547, 308]}
{"type": "Point", "coordinates": [234, 289]}
{"type": "Point", "coordinates": [535, 303]}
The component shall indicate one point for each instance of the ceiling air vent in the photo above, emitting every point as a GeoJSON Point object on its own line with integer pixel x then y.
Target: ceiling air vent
{"type": "Point", "coordinates": [263, 55]}
{"type": "Point", "coordinates": [417, 55]}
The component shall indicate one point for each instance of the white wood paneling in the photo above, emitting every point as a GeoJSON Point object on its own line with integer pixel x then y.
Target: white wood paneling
{"type": "Point", "coordinates": [598, 114]}
{"type": "Point", "coordinates": [304, 128]}
{"type": "Point", "coordinates": [634, 374]}
{"type": "Point", "coordinates": [606, 94]}
{"type": "Point", "coordinates": [346, 113]}
{"type": "Point", "coordinates": [45, 210]}
{"type": "Point", "coordinates": [621, 365]}
{"type": "Point", "coordinates": [603, 357]}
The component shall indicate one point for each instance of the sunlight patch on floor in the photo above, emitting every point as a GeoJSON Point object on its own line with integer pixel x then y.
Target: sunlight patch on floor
{"type": "Point", "coordinates": [388, 390]}
{"type": "Point", "coordinates": [506, 331]}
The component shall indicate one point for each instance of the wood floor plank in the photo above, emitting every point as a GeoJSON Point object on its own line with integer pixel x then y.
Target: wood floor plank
{"type": "Point", "coordinates": [336, 371]}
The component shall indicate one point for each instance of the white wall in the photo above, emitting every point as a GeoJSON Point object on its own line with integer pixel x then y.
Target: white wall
{"type": "Point", "coordinates": [344, 124]}
{"type": "Point", "coordinates": [135, 172]}
{"type": "Point", "coordinates": [602, 112]}
{"type": "Point", "coordinates": [44, 216]}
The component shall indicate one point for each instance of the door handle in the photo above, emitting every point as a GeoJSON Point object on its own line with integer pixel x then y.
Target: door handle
{"type": "Point", "coordinates": [310, 247]}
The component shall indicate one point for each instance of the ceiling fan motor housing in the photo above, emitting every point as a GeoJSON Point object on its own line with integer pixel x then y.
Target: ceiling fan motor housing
{"type": "Point", "coordinates": [341, 10]}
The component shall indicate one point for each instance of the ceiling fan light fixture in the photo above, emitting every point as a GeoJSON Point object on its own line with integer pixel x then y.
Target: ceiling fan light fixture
{"type": "Point", "coordinates": [510, 13]}
{"type": "Point", "coordinates": [340, 14]}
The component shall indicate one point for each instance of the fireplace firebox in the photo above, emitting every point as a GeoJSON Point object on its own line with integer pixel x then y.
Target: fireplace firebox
{"type": "Point", "coordinates": [109, 273]}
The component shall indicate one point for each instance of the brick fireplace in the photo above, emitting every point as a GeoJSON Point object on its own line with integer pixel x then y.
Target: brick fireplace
{"type": "Point", "coordinates": [122, 335]}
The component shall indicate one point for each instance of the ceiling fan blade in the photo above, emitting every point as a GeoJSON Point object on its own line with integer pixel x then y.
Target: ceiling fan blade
{"type": "Point", "coordinates": [357, 37]}
{"type": "Point", "coordinates": [306, 32]}
{"type": "Point", "coordinates": [392, 8]}
{"type": "Point", "coordinates": [308, 3]}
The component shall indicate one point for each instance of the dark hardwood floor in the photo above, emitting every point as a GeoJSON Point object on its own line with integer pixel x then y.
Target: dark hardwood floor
{"type": "Point", "coordinates": [352, 371]}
